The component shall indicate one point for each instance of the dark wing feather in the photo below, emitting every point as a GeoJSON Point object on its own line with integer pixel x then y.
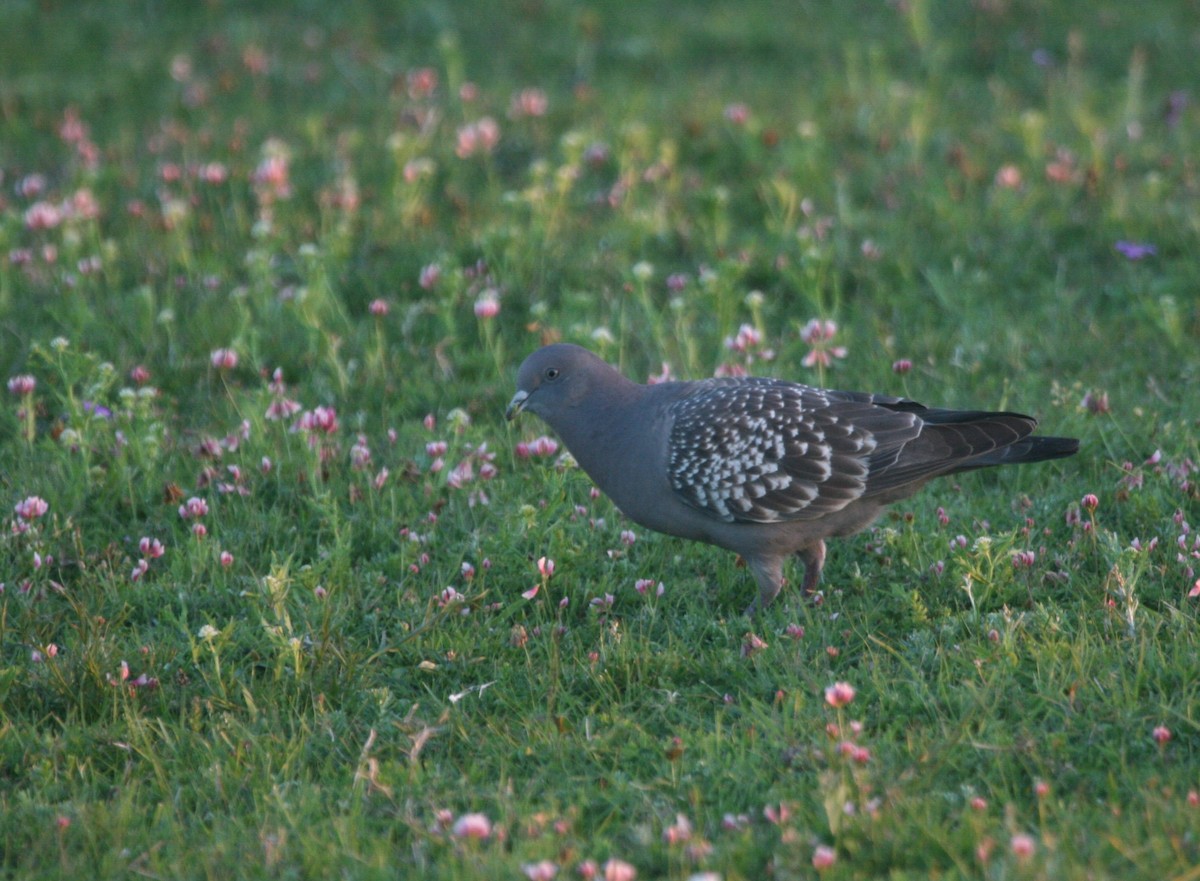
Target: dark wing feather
{"type": "Point", "coordinates": [949, 441]}
{"type": "Point", "coordinates": [762, 451]}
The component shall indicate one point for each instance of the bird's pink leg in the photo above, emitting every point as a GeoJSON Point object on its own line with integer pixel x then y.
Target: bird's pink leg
{"type": "Point", "coordinates": [813, 558]}
{"type": "Point", "coordinates": [768, 572]}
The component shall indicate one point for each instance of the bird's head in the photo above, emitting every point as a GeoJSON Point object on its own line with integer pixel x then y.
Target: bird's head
{"type": "Point", "coordinates": [556, 378]}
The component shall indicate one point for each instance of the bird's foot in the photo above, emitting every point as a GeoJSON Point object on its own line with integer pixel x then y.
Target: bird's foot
{"type": "Point", "coordinates": [813, 559]}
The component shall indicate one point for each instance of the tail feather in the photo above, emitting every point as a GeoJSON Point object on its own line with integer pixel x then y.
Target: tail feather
{"type": "Point", "coordinates": [1028, 449]}
{"type": "Point", "coordinates": [951, 441]}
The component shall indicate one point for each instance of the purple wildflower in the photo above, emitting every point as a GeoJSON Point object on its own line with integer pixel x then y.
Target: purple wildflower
{"type": "Point", "coordinates": [1136, 250]}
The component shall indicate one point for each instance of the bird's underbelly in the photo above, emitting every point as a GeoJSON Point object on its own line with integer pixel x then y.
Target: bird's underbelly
{"type": "Point", "coordinates": [781, 537]}
{"type": "Point", "coordinates": [670, 517]}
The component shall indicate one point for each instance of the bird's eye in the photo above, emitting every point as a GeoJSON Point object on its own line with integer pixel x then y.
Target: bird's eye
{"type": "Point", "coordinates": [551, 373]}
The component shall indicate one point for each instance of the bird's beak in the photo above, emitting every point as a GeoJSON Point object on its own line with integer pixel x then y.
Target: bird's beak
{"type": "Point", "coordinates": [516, 404]}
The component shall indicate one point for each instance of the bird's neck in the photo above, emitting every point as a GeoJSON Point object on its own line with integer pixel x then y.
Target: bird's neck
{"type": "Point", "coordinates": [601, 427]}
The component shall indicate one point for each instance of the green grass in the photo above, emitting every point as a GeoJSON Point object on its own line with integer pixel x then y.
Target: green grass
{"type": "Point", "coordinates": [947, 182]}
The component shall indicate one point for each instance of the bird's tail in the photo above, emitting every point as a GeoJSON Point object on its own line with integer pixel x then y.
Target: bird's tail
{"type": "Point", "coordinates": [951, 441]}
{"type": "Point", "coordinates": [1033, 448]}
{"type": "Point", "coordinates": [973, 439]}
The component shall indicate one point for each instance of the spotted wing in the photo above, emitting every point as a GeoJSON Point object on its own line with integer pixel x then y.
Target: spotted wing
{"type": "Point", "coordinates": [762, 451]}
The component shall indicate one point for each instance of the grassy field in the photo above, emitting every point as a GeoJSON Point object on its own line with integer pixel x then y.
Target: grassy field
{"type": "Point", "coordinates": [266, 274]}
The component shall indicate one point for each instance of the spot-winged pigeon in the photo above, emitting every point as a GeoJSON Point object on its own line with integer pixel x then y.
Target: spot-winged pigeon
{"type": "Point", "coordinates": [763, 467]}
